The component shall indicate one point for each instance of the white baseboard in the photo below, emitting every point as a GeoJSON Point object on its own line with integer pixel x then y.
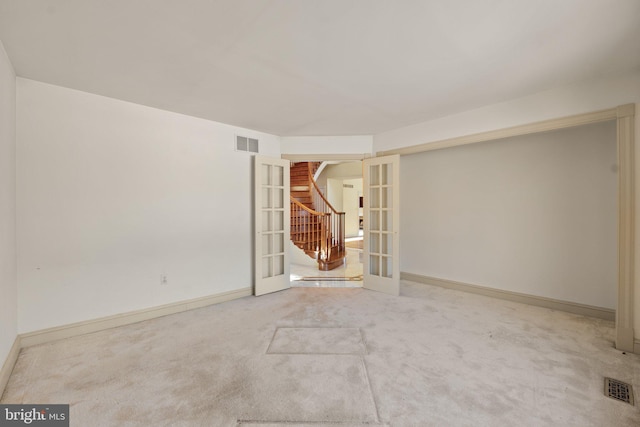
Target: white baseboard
{"type": "Point", "coordinates": [554, 304]}
{"type": "Point", "coordinates": [95, 325]}
{"type": "Point", "coordinates": [9, 363]}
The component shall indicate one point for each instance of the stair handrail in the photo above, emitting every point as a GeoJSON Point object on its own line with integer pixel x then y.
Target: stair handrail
{"type": "Point", "coordinates": [315, 185]}
{"type": "Point", "coordinates": [306, 208]}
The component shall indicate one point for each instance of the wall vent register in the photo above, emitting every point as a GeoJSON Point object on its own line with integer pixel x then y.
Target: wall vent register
{"type": "Point", "coordinates": [618, 390]}
{"type": "Point", "coordinates": [244, 143]}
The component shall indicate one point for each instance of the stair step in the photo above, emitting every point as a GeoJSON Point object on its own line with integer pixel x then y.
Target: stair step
{"type": "Point", "coordinates": [337, 254]}
{"type": "Point", "coordinates": [330, 265]}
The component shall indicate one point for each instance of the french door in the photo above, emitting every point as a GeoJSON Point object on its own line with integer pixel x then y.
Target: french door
{"type": "Point", "coordinates": [271, 224]}
{"type": "Point", "coordinates": [381, 176]}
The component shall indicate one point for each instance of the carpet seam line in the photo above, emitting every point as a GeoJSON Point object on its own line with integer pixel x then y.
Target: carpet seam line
{"type": "Point", "coordinates": [373, 397]}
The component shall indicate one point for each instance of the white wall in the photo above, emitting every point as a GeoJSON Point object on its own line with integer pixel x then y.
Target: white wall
{"type": "Point", "coordinates": [112, 194]}
{"type": "Point", "coordinates": [333, 177]}
{"type": "Point", "coordinates": [534, 214]}
{"type": "Point", "coordinates": [344, 170]}
{"type": "Point", "coordinates": [8, 290]}
{"type": "Point", "coordinates": [351, 206]}
{"type": "Point", "coordinates": [334, 193]}
{"type": "Point", "coordinates": [345, 200]}
{"type": "Point", "coordinates": [356, 144]}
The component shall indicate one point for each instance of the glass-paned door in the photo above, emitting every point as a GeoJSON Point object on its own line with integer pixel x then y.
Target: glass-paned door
{"type": "Point", "coordinates": [271, 225]}
{"type": "Point", "coordinates": [381, 224]}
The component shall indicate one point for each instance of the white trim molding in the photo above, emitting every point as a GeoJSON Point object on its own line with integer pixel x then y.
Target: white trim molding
{"type": "Point", "coordinates": [626, 227]}
{"type": "Point", "coordinates": [526, 129]}
{"type": "Point", "coordinates": [553, 304]}
{"type": "Point", "coordinates": [324, 157]}
{"type": "Point", "coordinates": [9, 363]}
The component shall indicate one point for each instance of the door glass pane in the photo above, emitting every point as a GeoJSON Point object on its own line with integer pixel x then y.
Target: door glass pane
{"type": "Point", "coordinates": [374, 175]}
{"type": "Point", "coordinates": [278, 243]}
{"type": "Point", "coordinates": [374, 223]}
{"type": "Point", "coordinates": [266, 221]}
{"type": "Point", "coordinates": [266, 197]}
{"type": "Point", "coordinates": [387, 244]}
{"type": "Point", "coordinates": [267, 244]}
{"type": "Point", "coordinates": [386, 174]}
{"type": "Point", "coordinates": [374, 265]}
{"type": "Point", "coordinates": [278, 265]}
{"type": "Point", "coordinates": [266, 267]}
{"type": "Point", "coordinates": [387, 269]}
{"type": "Point", "coordinates": [278, 198]}
{"type": "Point", "coordinates": [278, 172]}
{"type": "Point", "coordinates": [374, 197]}
{"type": "Point", "coordinates": [374, 242]}
{"type": "Point", "coordinates": [266, 174]}
{"type": "Point", "coordinates": [278, 220]}
{"type": "Point", "coordinates": [386, 200]}
{"type": "Point", "coordinates": [387, 221]}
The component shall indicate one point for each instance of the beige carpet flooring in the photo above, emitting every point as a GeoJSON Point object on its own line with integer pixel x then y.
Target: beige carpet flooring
{"type": "Point", "coordinates": [338, 357]}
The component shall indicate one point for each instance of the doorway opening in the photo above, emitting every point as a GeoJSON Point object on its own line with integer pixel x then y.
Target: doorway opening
{"type": "Point", "coordinates": [341, 184]}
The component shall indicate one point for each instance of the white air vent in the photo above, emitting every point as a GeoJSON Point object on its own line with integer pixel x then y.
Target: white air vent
{"type": "Point", "coordinates": [246, 144]}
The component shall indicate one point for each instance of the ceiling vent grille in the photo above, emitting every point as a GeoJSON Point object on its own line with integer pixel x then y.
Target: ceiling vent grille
{"type": "Point", "coordinates": [244, 143]}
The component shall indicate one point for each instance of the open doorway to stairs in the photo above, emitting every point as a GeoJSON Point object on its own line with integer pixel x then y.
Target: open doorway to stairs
{"type": "Point", "coordinates": [340, 184]}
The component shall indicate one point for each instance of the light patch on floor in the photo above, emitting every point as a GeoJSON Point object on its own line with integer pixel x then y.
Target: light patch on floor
{"type": "Point", "coordinates": [317, 341]}
{"type": "Point", "coordinates": [348, 275]}
{"type": "Point", "coordinates": [277, 396]}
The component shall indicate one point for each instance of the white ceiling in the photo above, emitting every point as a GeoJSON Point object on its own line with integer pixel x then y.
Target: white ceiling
{"type": "Point", "coordinates": [319, 67]}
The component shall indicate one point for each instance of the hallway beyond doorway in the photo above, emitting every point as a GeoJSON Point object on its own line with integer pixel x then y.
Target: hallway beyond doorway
{"type": "Point", "coordinates": [348, 275]}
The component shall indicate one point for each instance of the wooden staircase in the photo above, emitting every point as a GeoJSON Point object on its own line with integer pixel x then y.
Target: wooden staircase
{"type": "Point", "coordinates": [316, 227]}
